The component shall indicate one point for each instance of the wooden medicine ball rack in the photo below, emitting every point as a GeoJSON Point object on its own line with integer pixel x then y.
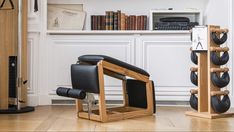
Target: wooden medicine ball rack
{"type": "Point", "coordinates": [206, 89]}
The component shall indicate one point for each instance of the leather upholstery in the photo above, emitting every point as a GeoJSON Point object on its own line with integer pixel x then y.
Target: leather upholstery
{"type": "Point", "coordinates": [217, 39]}
{"type": "Point", "coordinates": [220, 81]}
{"type": "Point", "coordinates": [194, 57]}
{"type": "Point", "coordinates": [94, 59]}
{"type": "Point", "coordinates": [220, 105]}
{"type": "Point", "coordinates": [219, 60]}
{"type": "Point", "coordinates": [85, 77]}
{"type": "Point", "coordinates": [194, 78]}
{"type": "Point", "coordinates": [72, 93]}
{"type": "Point", "coordinates": [136, 91]}
{"type": "Point", "coordinates": [193, 101]}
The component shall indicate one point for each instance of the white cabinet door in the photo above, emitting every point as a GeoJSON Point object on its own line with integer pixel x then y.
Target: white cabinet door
{"type": "Point", "coordinates": [167, 59]}
{"type": "Point", "coordinates": [64, 51]}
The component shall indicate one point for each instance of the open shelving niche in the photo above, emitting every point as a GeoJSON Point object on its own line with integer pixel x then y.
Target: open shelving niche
{"type": "Point", "coordinates": [153, 16]}
{"type": "Point", "coordinates": [193, 15]}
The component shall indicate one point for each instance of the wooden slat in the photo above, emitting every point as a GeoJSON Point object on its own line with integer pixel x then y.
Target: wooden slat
{"type": "Point", "coordinates": [218, 30]}
{"type": "Point", "coordinates": [79, 106]}
{"type": "Point", "coordinates": [202, 83]}
{"type": "Point", "coordinates": [102, 101]}
{"type": "Point", "coordinates": [219, 69]}
{"type": "Point", "coordinates": [124, 71]}
{"type": "Point", "coordinates": [114, 75]}
{"type": "Point", "coordinates": [24, 91]}
{"type": "Point", "coordinates": [8, 44]}
{"type": "Point", "coordinates": [207, 115]}
{"type": "Point", "coordinates": [225, 92]}
{"type": "Point", "coordinates": [149, 96]}
{"type": "Point", "coordinates": [194, 91]}
{"type": "Point", "coordinates": [92, 116]}
{"type": "Point", "coordinates": [193, 69]}
{"type": "Point", "coordinates": [219, 49]}
{"type": "Point", "coordinates": [125, 95]}
{"type": "Point", "coordinates": [211, 86]}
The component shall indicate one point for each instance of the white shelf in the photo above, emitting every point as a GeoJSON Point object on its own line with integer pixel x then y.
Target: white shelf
{"type": "Point", "coordinates": [106, 32]}
{"type": "Point", "coordinates": [176, 11]}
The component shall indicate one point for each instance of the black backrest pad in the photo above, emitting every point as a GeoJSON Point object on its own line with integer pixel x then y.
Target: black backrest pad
{"type": "Point", "coordinates": [94, 59]}
{"type": "Point", "coordinates": [136, 91]}
{"type": "Point", "coordinates": [85, 77]}
{"type": "Point", "coordinates": [154, 100]}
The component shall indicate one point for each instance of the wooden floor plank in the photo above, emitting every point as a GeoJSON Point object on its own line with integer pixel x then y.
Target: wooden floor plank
{"type": "Point", "coordinates": [63, 118]}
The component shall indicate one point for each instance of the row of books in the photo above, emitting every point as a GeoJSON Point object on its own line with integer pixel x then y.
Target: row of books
{"type": "Point", "coordinates": [118, 21]}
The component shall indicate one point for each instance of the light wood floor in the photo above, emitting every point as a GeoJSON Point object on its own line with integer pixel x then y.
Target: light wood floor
{"type": "Point", "coordinates": [63, 118]}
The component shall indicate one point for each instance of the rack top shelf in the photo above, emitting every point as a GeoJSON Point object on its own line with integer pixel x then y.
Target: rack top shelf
{"type": "Point", "coordinates": [106, 32]}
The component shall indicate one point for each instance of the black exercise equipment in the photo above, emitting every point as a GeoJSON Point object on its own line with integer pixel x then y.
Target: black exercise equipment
{"type": "Point", "coordinates": [220, 81]}
{"type": "Point", "coordinates": [136, 91]}
{"type": "Point", "coordinates": [12, 83]}
{"type": "Point", "coordinates": [219, 60]}
{"type": "Point", "coordinates": [218, 40]}
{"type": "Point", "coordinates": [193, 101]}
{"type": "Point", "coordinates": [35, 5]}
{"type": "Point", "coordinates": [14, 110]}
{"type": "Point", "coordinates": [87, 76]}
{"type": "Point", "coordinates": [220, 105]}
{"type": "Point", "coordinates": [194, 78]}
{"type": "Point", "coordinates": [194, 57]}
{"type": "Point", "coordinates": [72, 93]}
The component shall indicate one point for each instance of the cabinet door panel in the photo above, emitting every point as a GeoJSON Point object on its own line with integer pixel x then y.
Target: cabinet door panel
{"type": "Point", "coordinates": [63, 53]}
{"type": "Point", "coordinates": [168, 63]}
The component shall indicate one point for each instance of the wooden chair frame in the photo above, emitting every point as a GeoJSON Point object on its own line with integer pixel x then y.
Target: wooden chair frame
{"type": "Point", "coordinates": [104, 114]}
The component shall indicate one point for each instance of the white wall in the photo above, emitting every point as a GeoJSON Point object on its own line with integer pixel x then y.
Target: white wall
{"type": "Point", "coordinates": [220, 12]}
{"type": "Point", "coordinates": [217, 13]}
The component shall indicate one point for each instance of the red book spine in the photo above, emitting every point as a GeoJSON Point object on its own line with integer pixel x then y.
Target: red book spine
{"type": "Point", "coordinates": [128, 23]}
{"type": "Point", "coordinates": [134, 23]}
{"type": "Point", "coordinates": [138, 23]}
{"type": "Point", "coordinates": [142, 22]}
{"type": "Point", "coordinates": [131, 22]}
{"type": "Point", "coordinates": [103, 25]}
{"type": "Point", "coordinates": [123, 21]}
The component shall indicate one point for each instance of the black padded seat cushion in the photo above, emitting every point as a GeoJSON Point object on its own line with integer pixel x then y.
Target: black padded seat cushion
{"type": "Point", "coordinates": [94, 59]}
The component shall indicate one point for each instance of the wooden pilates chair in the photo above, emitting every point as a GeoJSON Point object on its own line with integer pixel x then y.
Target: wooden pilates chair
{"type": "Point", "coordinates": [88, 78]}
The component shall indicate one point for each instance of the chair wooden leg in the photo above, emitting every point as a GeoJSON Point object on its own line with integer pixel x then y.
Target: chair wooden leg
{"type": "Point", "coordinates": [149, 91]}
{"type": "Point", "coordinates": [79, 106]}
{"type": "Point", "coordinates": [125, 96]}
{"type": "Point", "coordinates": [102, 101]}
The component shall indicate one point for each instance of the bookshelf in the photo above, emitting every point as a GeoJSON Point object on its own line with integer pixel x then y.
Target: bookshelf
{"type": "Point", "coordinates": [101, 7]}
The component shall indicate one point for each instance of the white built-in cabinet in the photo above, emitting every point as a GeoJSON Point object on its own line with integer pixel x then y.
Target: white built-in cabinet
{"type": "Point", "coordinates": [164, 55]}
